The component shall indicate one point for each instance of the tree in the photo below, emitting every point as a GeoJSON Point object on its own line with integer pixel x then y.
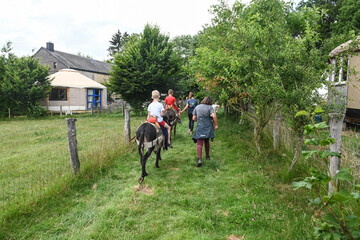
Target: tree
{"type": "Point", "coordinates": [185, 47]}
{"type": "Point", "coordinates": [23, 82]}
{"type": "Point", "coordinates": [145, 64]}
{"type": "Point", "coordinates": [250, 56]}
{"type": "Point", "coordinates": [117, 42]}
{"type": "Point", "coordinates": [330, 16]}
{"type": "Point", "coordinates": [348, 17]}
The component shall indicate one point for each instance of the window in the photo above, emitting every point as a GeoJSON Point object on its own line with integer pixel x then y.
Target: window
{"type": "Point", "coordinates": [340, 70]}
{"type": "Point", "coordinates": [94, 98]}
{"type": "Point", "coordinates": [58, 94]}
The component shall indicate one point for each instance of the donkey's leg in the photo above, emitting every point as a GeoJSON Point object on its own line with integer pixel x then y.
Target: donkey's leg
{"type": "Point", "coordinates": [146, 156]}
{"type": "Point", "coordinates": [158, 157]}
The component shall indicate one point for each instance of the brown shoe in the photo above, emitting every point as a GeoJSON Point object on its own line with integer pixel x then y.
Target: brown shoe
{"type": "Point", "coordinates": [170, 146]}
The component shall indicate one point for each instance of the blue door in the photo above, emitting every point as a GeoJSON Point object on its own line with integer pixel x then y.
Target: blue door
{"type": "Point", "coordinates": [94, 98]}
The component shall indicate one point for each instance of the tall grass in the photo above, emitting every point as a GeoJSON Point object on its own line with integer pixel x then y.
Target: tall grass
{"type": "Point", "coordinates": [176, 201]}
{"type": "Point", "coordinates": [35, 159]}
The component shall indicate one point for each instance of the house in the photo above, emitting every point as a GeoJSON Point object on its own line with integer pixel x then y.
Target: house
{"type": "Point", "coordinates": [72, 91]}
{"type": "Point", "coordinates": [56, 60]}
{"type": "Point", "coordinates": [347, 71]}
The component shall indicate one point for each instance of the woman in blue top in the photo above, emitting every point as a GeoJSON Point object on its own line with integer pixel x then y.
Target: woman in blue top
{"type": "Point", "coordinates": [191, 103]}
{"type": "Point", "coordinates": [206, 124]}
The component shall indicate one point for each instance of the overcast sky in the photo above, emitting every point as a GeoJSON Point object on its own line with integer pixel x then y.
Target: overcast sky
{"type": "Point", "coordinates": [87, 26]}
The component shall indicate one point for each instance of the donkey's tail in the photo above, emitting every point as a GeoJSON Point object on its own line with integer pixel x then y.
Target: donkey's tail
{"type": "Point", "coordinates": [141, 137]}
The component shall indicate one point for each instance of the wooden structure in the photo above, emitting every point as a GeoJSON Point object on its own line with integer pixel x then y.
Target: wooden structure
{"type": "Point", "coordinates": [345, 60]}
{"type": "Point", "coordinates": [73, 91]}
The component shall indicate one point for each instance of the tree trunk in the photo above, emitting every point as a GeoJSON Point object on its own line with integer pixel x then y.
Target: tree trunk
{"type": "Point", "coordinates": [257, 137]}
{"type": "Point", "coordinates": [297, 152]}
{"type": "Point", "coordinates": [276, 130]}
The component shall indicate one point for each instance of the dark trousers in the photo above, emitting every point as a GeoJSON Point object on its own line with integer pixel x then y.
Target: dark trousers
{"type": "Point", "coordinates": [164, 130]}
{"type": "Point", "coordinates": [191, 121]}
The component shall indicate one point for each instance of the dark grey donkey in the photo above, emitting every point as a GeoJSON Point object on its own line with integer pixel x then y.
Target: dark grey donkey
{"type": "Point", "coordinates": [172, 118]}
{"type": "Point", "coordinates": [149, 138]}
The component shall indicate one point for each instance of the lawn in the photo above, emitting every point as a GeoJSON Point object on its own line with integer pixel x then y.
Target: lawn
{"type": "Point", "coordinates": [237, 193]}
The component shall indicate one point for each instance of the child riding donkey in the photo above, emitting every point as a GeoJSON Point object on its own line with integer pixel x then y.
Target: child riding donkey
{"type": "Point", "coordinates": [155, 115]}
{"type": "Point", "coordinates": [170, 102]}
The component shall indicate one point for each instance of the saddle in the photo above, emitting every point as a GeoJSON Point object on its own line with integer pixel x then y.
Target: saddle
{"type": "Point", "coordinates": [157, 141]}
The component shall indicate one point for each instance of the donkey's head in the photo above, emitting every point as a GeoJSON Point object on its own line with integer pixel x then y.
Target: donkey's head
{"type": "Point", "coordinates": [171, 117]}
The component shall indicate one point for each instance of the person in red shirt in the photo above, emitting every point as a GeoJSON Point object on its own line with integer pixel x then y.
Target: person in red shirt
{"type": "Point", "coordinates": [170, 101]}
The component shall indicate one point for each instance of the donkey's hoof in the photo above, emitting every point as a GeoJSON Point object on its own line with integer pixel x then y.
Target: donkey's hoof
{"type": "Point", "coordinates": [141, 179]}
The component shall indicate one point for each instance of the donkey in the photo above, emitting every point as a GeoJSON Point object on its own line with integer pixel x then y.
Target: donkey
{"type": "Point", "coordinates": [171, 118]}
{"type": "Point", "coordinates": [151, 139]}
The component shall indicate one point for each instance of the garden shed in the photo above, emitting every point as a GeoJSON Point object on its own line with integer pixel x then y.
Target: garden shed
{"type": "Point", "coordinates": [74, 91]}
{"type": "Point", "coordinates": [348, 72]}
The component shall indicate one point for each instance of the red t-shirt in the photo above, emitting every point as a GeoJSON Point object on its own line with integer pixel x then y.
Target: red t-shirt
{"type": "Point", "coordinates": [169, 100]}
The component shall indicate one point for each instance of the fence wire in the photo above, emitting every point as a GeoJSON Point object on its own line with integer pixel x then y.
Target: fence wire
{"type": "Point", "coordinates": [350, 146]}
{"type": "Point", "coordinates": [35, 155]}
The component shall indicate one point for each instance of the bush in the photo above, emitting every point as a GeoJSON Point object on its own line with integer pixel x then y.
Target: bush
{"type": "Point", "coordinates": [36, 111]}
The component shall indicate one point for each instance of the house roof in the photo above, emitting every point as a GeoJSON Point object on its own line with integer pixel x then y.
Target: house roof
{"type": "Point", "coordinates": [80, 63]}
{"type": "Point", "coordinates": [343, 47]}
{"type": "Point", "coordinates": [73, 78]}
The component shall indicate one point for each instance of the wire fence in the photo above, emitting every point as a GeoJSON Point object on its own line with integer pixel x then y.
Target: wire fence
{"type": "Point", "coordinates": [350, 146]}
{"type": "Point", "coordinates": [350, 151]}
{"type": "Point", "coordinates": [35, 158]}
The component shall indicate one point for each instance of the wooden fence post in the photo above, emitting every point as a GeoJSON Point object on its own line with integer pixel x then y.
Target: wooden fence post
{"type": "Point", "coordinates": [74, 158]}
{"type": "Point", "coordinates": [123, 108]}
{"type": "Point", "coordinates": [60, 110]}
{"type": "Point", "coordinates": [127, 126]}
{"type": "Point", "coordinates": [9, 113]}
{"type": "Point", "coordinates": [337, 105]}
{"type": "Point", "coordinates": [276, 128]}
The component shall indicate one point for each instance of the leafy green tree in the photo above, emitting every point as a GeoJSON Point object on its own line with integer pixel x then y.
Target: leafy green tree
{"type": "Point", "coordinates": [185, 47]}
{"type": "Point", "coordinates": [250, 57]}
{"type": "Point", "coordinates": [348, 17]}
{"type": "Point", "coordinates": [330, 16]}
{"type": "Point", "coordinates": [145, 64]}
{"type": "Point", "coordinates": [23, 82]}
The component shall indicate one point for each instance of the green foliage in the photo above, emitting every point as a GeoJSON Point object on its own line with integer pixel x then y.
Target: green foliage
{"type": "Point", "coordinates": [23, 82]}
{"type": "Point", "coordinates": [36, 111]}
{"type": "Point", "coordinates": [348, 18]}
{"type": "Point", "coordinates": [118, 42]}
{"type": "Point", "coordinates": [185, 48]}
{"type": "Point", "coordinates": [146, 63]}
{"type": "Point", "coordinates": [250, 57]}
{"type": "Point", "coordinates": [335, 223]}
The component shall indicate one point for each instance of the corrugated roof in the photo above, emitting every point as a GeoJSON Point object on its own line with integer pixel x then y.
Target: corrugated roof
{"type": "Point", "coordinates": [81, 63]}
{"type": "Point", "coordinates": [73, 78]}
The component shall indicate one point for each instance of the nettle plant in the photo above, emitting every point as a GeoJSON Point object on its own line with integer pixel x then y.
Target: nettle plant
{"type": "Point", "coordinates": [333, 219]}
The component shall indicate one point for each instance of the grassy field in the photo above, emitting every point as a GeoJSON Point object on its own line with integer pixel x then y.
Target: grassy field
{"type": "Point", "coordinates": [237, 193]}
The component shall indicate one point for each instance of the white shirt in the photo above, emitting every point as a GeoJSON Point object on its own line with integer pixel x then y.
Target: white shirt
{"type": "Point", "coordinates": [155, 109]}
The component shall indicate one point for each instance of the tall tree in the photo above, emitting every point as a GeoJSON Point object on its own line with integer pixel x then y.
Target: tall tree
{"type": "Point", "coordinates": [117, 43]}
{"type": "Point", "coordinates": [185, 47]}
{"type": "Point", "coordinates": [250, 56]}
{"type": "Point", "coordinates": [348, 17]}
{"type": "Point", "coordinates": [330, 16]}
{"type": "Point", "coordinates": [144, 65]}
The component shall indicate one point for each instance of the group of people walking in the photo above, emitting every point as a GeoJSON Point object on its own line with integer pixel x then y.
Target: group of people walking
{"type": "Point", "coordinates": [204, 114]}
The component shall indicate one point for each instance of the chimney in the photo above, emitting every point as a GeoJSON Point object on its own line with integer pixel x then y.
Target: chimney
{"type": "Point", "coordinates": [50, 46]}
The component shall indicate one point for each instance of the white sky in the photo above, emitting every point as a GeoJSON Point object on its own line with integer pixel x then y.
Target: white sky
{"type": "Point", "coordinates": [87, 26]}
